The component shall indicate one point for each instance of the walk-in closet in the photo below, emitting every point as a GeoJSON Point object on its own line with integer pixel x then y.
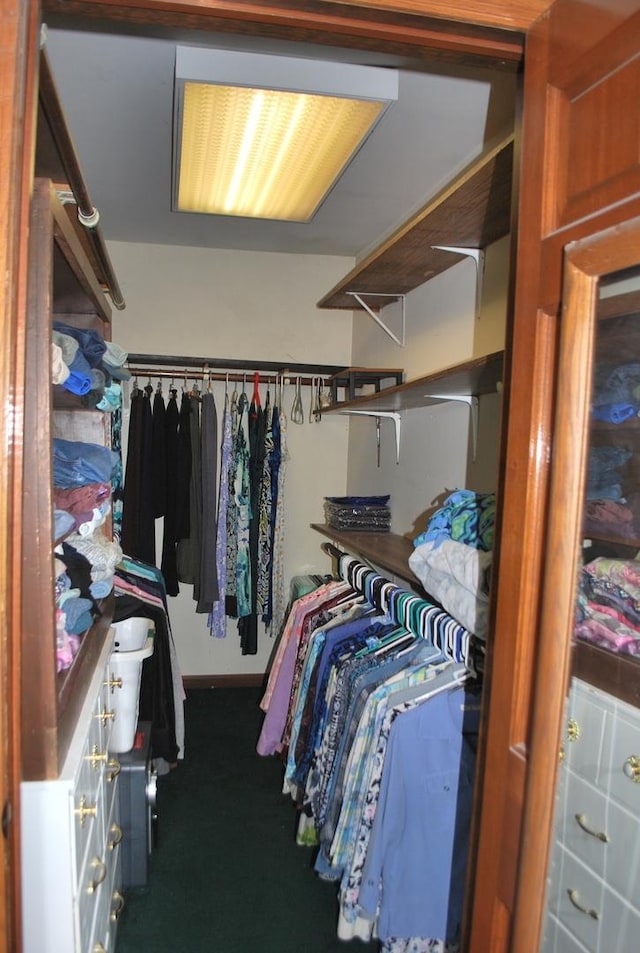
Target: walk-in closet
{"type": "Point", "coordinates": [321, 525]}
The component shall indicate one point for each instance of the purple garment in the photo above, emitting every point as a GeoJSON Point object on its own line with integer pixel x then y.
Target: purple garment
{"type": "Point", "coordinates": [217, 617]}
{"type": "Point", "coordinates": [274, 721]}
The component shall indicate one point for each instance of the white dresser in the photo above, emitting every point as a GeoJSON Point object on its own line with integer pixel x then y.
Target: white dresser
{"type": "Point", "coordinates": [71, 836]}
{"type": "Point", "coordinates": [594, 890]}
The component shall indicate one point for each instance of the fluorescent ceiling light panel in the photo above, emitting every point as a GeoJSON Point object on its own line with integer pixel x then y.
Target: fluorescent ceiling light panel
{"type": "Point", "coordinates": [267, 136]}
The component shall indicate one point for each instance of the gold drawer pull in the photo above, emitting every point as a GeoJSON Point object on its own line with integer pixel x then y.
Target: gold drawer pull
{"type": "Point", "coordinates": [96, 757]}
{"type": "Point", "coordinates": [117, 901]}
{"type": "Point", "coordinates": [84, 812]}
{"type": "Point", "coordinates": [105, 715]}
{"type": "Point", "coordinates": [99, 948]}
{"type": "Point", "coordinates": [582, 822]}
{"type": "Point", "coordinates": [114, 682]}
{"type": "Point", "coordinates": [117, 839]}
{"type": "Point", "coordinates": [574, 897]}
{"type": "Point", "coordinates": [115, 768]}
{"type": "Point", "coordinates": [101, 868]}
{"type": "Point", "coordinates": [631, 768]}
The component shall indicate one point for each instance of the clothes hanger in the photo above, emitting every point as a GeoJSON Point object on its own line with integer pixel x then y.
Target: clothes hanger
{"type": "Point", "coordinates": [297, 412]}
{"type": "Point", "coordinates": [255, 397]}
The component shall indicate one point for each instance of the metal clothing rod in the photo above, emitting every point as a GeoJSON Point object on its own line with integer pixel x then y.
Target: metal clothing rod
{"type": "Point", "coordinates": [205, 375]}
{"type": "Point", "coordinates": [229, 364]}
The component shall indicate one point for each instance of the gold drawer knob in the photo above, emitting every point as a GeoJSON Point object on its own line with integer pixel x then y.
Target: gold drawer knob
{"type": "Point", "coordinates": [83, 811]}
{"type": "Point", "coordinates": [115, 768]}
{"type": "Point", "coordinates": [573, 730]}
{"type": "Point", "coordinates": [114, 682]}
{"type": "Point", "coordinates": [115, 836]}
{"type": "Point", "coordinates": [117, 903]}
{"type": "Point", "coordinates": [101, 872]}
{"type": "Point", "coordinates": [631, 768]}
{"type": "Point", "coordinates": [574, 897]}
{"type": "Point", "coordinates": [99, 948]}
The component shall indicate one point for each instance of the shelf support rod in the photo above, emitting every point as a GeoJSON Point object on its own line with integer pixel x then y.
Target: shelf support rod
{"type": "Point", "coordinates": [478, 256]}
{"type": "Point", "coordinates": [392, 414]}
{"type": "Point", "coordinates": [358, 295]}
{"type": "Point", "coordinates": [472, 403]}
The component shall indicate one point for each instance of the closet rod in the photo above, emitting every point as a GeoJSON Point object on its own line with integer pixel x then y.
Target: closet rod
{"type": "Point", "coordinates": [87, 214]}
{"type": "Point", "coordinates": [202, 375]}
{"type": "Point", "coordinates": [202, 363]}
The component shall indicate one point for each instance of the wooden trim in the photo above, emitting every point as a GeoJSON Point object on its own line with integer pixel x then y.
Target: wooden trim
{"type": "Point", "coordinates": [18, 66]}
{"type": "Point", "coordinates": [249, 680]}
{"type": "Point", "coordinates": [386, 550]}
{"type": "Point", "coordinates": [585, 262]}
{"type": "Point", "coordinates": [518, 15]}
{"type": "Point", "coordinates": [456, 39]}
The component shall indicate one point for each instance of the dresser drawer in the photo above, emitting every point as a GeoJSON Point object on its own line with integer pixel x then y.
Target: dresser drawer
{"type": "Point", "coordinates": [587, 741]}
{"type": "Point", "coordinates": [578, 904]}
{"type": "Point", "coordinates": [624, 764]}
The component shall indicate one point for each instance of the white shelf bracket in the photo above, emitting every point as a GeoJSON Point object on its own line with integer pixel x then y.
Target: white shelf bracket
{"type": "Point", "coordinates": [478, 256]}
{"type": "Point", "coordinates": [392, 414]}
{"type": "Point", "coordinates": [359, 297]}
{"type": "Point", "coordinates": [472, 403]}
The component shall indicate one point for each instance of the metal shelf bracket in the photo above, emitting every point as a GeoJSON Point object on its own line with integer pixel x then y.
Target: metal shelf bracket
{"type": "Point", "coordinates": [359, 297]}
{"type": "Point", "coordinates": [478, 256]}
{"type": "Point", "coordinates": [472, 403]}
{"type": "Point", "coordinates": [392, 414]}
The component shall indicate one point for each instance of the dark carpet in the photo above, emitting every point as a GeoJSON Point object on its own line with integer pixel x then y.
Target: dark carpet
{"type": "Point", "coordinates": [226, 875]}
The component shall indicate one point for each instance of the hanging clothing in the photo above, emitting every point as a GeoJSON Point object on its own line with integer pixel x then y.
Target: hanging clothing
{"type": "Point", "coordinates": [208, 592]}
{"type": "Point", "coordinates": [189, 546]}
{"type": "Point", "coordinates": [159, 455]}
{"type": "Point", "coordinates": [169, 541]}
{"type": "Point", "coordinates": [242, 494]}
{"type": "Point", "coordinates": [183, 524]}
{"type": "Point", "coordinates": [248, 624]}
{"type": "Point", "coordinates": [278, 586]}
{"type": "Point", "coordinates": [231, 602]}
{"type": "Point", "coordinates": [138, 524]}
{"type": "Point", "coordinates": [263, 580]}
{"type": "Point", "coordinates": [275, 456]}
{"type": "Point", "coordinates": [217, 621]}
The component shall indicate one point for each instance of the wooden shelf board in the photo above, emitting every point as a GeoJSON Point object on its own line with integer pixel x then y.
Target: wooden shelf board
{"type": "Point", "coordinates": [475, 377]}
{"type": "Point", "coordinates": [473, 211]}
{"type": "Point", "coordinates": [387, 550]}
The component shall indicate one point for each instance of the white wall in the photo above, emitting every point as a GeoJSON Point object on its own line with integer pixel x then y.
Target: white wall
{"type": "Point", "coordinates": [253, 306]}
{"type": "Point", "coordinates": [435, 451]}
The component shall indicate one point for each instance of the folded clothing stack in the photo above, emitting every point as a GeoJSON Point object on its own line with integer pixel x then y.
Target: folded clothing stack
{"type": "Point", "coordinates": [360, 513]}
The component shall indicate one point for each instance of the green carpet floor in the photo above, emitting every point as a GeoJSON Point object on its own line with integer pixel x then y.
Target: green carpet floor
{"type": "Point", "coordinates": [226, 875]}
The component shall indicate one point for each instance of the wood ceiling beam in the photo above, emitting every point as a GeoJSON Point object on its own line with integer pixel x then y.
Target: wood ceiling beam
{"type": "Point", "coordinates": [354, 25]}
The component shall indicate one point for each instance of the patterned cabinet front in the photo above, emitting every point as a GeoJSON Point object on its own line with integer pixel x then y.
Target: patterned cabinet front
{"type": "Point", "coordinates": [71, 838]}
{"type": "Point", "coordinates": [594, 890]}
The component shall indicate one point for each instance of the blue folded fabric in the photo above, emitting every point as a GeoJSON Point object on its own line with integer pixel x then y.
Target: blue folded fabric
{"type": "Point", "coordinates": [76, 463]}
{"type": "Point", "coordinates": [90, 342]}
{"type": "Point", "coordinates": [77, 383]}
{"type": "Point", "coordinates": [615, 413]}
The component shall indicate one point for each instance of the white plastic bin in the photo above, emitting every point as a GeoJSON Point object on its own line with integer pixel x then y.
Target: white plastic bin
{"type": "Point", "coordinates": [131, 634]}
{"type": "Point", "coordinates": [127, 666]}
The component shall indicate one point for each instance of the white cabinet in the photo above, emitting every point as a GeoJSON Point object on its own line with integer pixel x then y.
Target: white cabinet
{"type": "Point", "coordinates": [594, 889]}
{"type": "Point", "coordinates": [71, 836]}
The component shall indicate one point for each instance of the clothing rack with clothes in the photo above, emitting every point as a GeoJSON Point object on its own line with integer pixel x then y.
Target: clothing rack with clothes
{"type": "Point", "coordinates": [422, 618]}
{"type": "Point", "coordinates": [218, 483]}
{"type": "Point", "coordinates": [373, 706]}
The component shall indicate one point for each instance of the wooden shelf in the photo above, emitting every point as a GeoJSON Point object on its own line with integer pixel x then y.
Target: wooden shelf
{"type": "Point", "coordinates": [475, 377]}
{"type": "Point", "coordinates": [473, 211]}
{"type": "Point", "coordinates": [387, 550]}
{"type": "Point", "coordinates": [618, 675]}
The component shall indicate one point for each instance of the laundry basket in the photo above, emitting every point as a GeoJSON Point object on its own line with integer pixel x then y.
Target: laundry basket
{"type": "Point", "coordinates": [133, 643]}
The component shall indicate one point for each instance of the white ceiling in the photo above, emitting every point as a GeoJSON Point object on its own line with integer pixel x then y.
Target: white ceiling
{"type": "Point", "coordinates": [117, 93]}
